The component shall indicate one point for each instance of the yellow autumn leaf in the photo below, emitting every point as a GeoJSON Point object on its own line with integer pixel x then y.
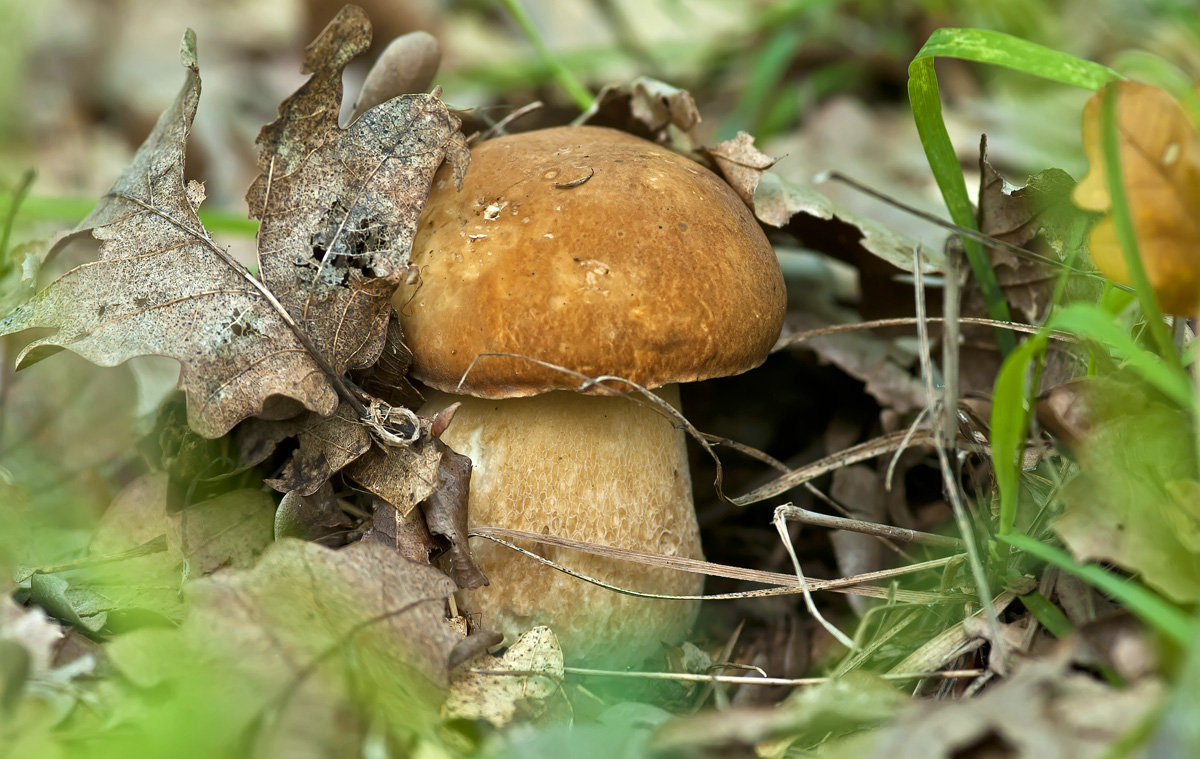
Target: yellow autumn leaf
{"type": "Point", "coordinates": [1160, 165]}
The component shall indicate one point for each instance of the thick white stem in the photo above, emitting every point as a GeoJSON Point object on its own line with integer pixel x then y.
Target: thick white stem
{"type": "Point", "coordinates": [605, 470]}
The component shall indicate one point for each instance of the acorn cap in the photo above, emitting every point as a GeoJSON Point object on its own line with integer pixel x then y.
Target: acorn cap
{"type": "Point", "coordinates": [590, 249]}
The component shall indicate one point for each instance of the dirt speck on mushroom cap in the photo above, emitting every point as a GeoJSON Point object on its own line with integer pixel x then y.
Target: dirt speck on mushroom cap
{"type": "Point", "coordinates": [590, 249]}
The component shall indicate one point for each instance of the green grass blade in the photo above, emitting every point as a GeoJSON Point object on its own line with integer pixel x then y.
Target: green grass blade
{"type": "Point", "coordinates": [580, 95]}
{"type": "Point", "coordinates": [1142, 602]}
{"type": "Point", "coordinates": [1010, 425]}
{"type": "Point", "coordinates": [927, 112]}
{"type": "Point", "coordinates": [13, 202]}
{"type": "Point", "coordinates": [1152, 69]}
{"type": "Point", "coordinates": [998, 49]}
{"type": "Point", "coordinates": [1049, 615]}
{"type": "Point", "coordinates": [1093, 323]}
{"type": "Point", "coordinates": [68, 212]}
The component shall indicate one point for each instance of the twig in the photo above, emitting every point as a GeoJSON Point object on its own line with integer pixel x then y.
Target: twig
{"type": "Point", "coordinates": [833, 329]}
{"type": "Point", "coordinates": [884, 444]}
{"type": "Point", "coordinates": [597, 383]}
{"type": "Point", "coordinates": [804, 516]}
{"type": "Point", "coordinates": [972, 234]}
{"type": "Point", "coordinates": [500, 125]}
{"type": "Point", "coordinates": [845, 512]}
{"type": "Point", "coordinates": [10, 217]}
{"type": "Point", "coordinates": [781, 528]}
{"type": "Point", "coordinates": [784, 584]}
{"type": "Point", "coordinates": [949, 481]}
{"type": "Point", "coordinates": [690, 677]}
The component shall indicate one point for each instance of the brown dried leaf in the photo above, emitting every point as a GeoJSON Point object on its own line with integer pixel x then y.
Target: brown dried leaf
{"type": "Point", "coordinates": [823, 225]}
{"type": "Point", "coordinates": [406, 534]}
{"type": "Point", "coordinates": [387, 379]}
{"type": "Point", "coordinates": [310, 517]}
{"type": "Point", "coordinates": [1030, 217]}
{"type": "Point", "coordinates": [327, 445]}
{"type": "Point", "coordinates": [741, 164]}
{"type": "Point", "coordinates": [648, 108]}
{"type": "Point", "coordinates": [401, 475]}
{"type": "Point", "coordinates": [161, 286]}
{"type": "Point", "coordinates": [427, 472]}
{"type": "Point", "coordinates": [446, 515]}
{"type": "Point", "coordinates": [1042, 711]}
{"type": "Point", "coordinates": [339, 207]}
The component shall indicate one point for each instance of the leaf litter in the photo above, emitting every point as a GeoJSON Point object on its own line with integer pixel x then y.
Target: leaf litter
{"type": "Point", "coordinates": [328, 259]}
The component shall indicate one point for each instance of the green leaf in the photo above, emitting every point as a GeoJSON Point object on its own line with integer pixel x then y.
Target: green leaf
{"type": "Point", "coordinates": [1093, 323]}
{"type": "Point", "coordinates": [1143, 603]}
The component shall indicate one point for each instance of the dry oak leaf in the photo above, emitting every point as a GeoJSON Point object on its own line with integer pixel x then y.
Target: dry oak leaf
{"type": "Point", "coordinates": [327, 444]}
{"type": "Point", "coordinates": [1159, 150]}
{"type": "Point", "coordinates": [251, 347]}
{"type": "Point", "coordinates": [161, 286]}
{"type": "Point", "coordinates": [339, 207]}
{"type": "Point", "coordinates": [648, 108]}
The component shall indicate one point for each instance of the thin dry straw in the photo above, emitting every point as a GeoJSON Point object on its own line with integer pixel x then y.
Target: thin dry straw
{"type": "Point", "coordinates": [727, 679]}
{"type": "Point", "coordinates": [784, 584]}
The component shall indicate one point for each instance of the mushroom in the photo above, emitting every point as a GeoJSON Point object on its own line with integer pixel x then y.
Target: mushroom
{"type": "Point", "coordinates": [601, 253]}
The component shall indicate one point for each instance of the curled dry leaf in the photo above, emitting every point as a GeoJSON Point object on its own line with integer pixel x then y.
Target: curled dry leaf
{"type": "Point", "coordinates": [741, 164]}
{"type": "Point", "coordinates": [1040, 218]}
{"type": "Point", "coordinates": [327, 445]}
{"type": "Point", "coordinates": [387, 379]}
{"type": "Point", "coordinates": [1025, 217]}
{"type": "Point", "coordinates": [430, 473]}
{"type": "Point", "coordinates": [498, 697]}
{"type": "Point", "coordinates": [648, 108]}
{"type": "Point", "coordinates": [339, 207]}
{"type": "Point", "coordinates": [401, 475]}
{"type": "Point", "coordinates": [406, 534]}
{"type": "Point", "coordinates": [338, 210]}
{"type": "Point", "coordinates": [1159, 150]}
{"type": "Point", "coordinates": [446, 515]}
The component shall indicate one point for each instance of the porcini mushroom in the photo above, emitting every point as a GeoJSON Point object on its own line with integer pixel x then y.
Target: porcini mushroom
{"type": "Point", "coordinates": [599, 252]}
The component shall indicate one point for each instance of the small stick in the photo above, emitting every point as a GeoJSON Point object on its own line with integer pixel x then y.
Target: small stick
{"type": "Point", "coordinates": [804, 516]}
{"type": "Point", "coordinates": [730, 679]}
{"type": "Point", "coordinates": [830, 628]}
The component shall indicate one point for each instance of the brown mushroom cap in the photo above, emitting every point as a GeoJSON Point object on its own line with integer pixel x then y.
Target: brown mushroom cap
{"type": "Point", "coordinates": [652, 269]}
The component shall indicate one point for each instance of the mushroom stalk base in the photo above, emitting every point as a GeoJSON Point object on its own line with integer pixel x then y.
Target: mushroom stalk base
{"type": "Point", "coordinates": [604, 470]}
